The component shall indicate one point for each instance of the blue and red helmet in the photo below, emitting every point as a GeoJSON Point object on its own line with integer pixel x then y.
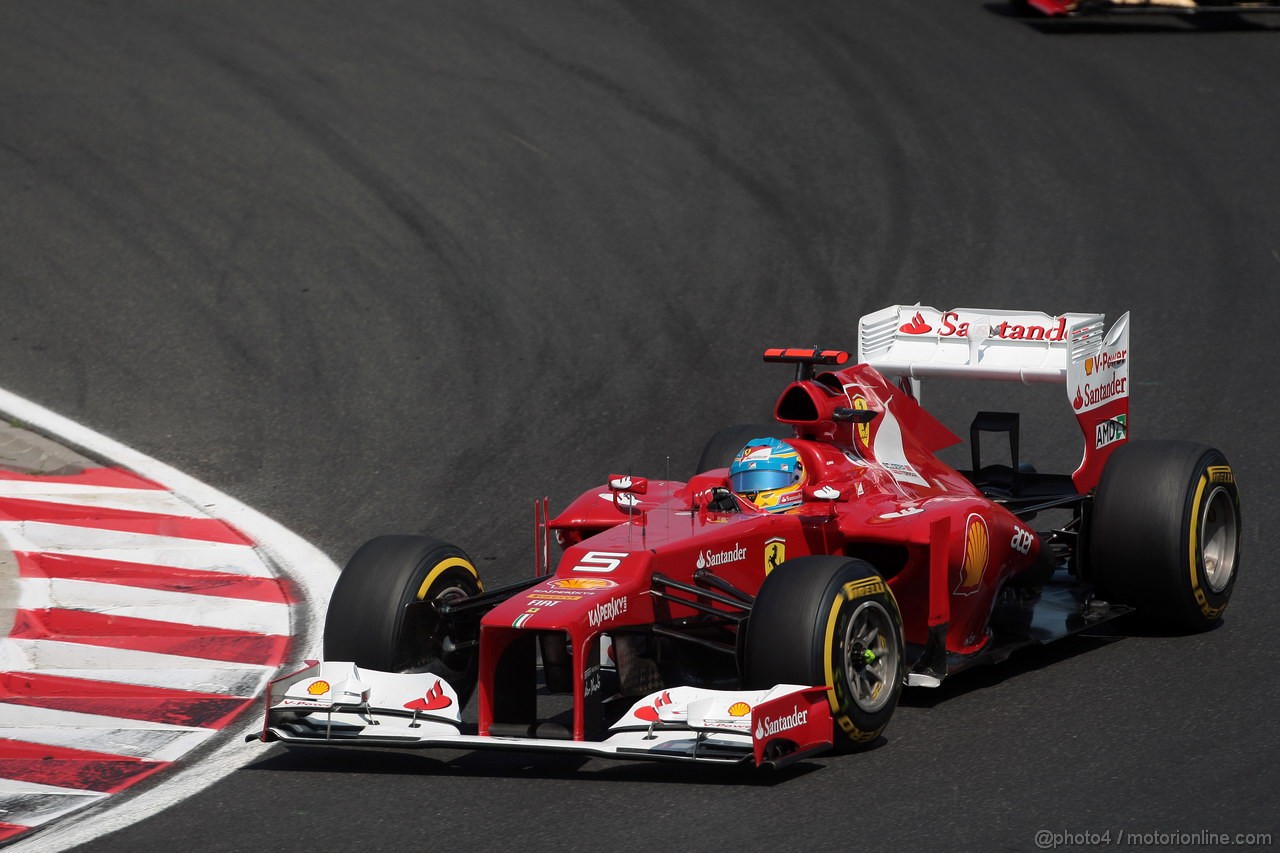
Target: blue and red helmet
{"type": "Point", "coordinates": [768, 472]}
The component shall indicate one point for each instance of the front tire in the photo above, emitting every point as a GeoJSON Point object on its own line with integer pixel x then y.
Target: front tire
{"type": "Point", "coordinates": [373, 619]}
{"type": "Point", "coordinates": [1165, 532]}
{"type": "Point", "coordinates": [830, 620]}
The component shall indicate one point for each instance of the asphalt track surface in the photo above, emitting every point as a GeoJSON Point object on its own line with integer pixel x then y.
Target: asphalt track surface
{"type": "Point", "coordinates": [397, 266]}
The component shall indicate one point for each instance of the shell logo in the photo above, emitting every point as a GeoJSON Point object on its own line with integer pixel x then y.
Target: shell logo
{"type": "Point", "coordinates": [977, 550]}
{"type": "Point", "coordinates": [582, 583]}
{"type": "Point", "coordinates": [739, 709]}
{"type": "Point", "coordinates": [318, 688]}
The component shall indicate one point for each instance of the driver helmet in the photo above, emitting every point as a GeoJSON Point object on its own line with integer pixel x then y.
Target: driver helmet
{"type": "Point", "coordinates": [768, 472]}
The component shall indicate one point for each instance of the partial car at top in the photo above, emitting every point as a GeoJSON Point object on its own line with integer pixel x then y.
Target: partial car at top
{"type": "Point", "coordinates": [1074, 8]}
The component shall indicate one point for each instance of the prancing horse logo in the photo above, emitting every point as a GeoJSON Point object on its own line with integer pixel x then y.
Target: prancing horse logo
{"type": "Point", "coordinates": [775, 551]}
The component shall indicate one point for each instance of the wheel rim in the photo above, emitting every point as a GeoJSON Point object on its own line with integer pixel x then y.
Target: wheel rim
{"type": "Point", "coordinates": [1218, 532]}
{"type": "Point", "coordinates": [426, 637]}
{"type": "Point", "coordinates": [870, 656]}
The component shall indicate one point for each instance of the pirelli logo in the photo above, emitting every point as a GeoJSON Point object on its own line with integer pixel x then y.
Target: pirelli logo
{"type": "Point", "coordinates": [861, 588]}
{"type": "Point", "coordinates": [1221, 474]}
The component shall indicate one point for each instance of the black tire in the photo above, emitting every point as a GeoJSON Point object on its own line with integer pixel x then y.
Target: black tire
{"type": "Point", "coordinates": [807, 626]}
{"type": "Point", "coordinates": [1165, 532]}
{"type": "Point", "coordinates": [369, 623]}
{"type": "Point", "coordinates": [722, 447]}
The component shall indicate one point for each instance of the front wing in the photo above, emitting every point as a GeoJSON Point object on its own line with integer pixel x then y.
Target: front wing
{"type": "Point", "coordinates": [336, 703]}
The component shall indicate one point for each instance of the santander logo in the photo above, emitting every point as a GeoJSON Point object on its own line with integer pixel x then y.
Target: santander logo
{"type": "Point", "coordinates": [952, 326]}
{"type": "Point", "coordinates": [917, 326]}
{"type": "Point", "coordinates": [1092, 396]}
{"type": "Point", "coordinates": [649, 713]}
{"type": "Point", "coordinates": [433, 701]}
{"type": "Point", "coordinates": [719, 558]}
{"type": "Point", "coordinates": [767, 727]}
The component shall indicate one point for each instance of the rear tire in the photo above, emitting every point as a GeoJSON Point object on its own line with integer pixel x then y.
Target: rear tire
{"type": "Point", "coordinates": [370, 623]}
{"type": "Point", "coordinates": [1165, 532]}
{"type": "Point", "coordinates": [831, 621]}
{"type": "Point", "coordinates": [722, 447]}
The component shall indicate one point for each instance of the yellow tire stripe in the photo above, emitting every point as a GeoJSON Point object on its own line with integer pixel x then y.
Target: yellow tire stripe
{"type": "Point", "coordinates": [1193, 539]}
{"type": "Point", "coordinates": [1193, 550]}
{"type": "Point", "coordinates": [827, 662]}
{"type": "Point", "coordinates": [442, 567]}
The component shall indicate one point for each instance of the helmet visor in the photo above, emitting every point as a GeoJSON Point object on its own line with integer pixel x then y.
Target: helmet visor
{"type": "Point", "coordinates": [760, 480]}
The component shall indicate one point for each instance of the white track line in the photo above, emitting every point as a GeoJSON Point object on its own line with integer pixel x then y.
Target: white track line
{"type": "Point", "coordinates": [206, 611]}
{"type": "Point", "coordinates": [48, 803]}
{"type": "Point", "coordinates": [104, 497]}
{"type": "Point", "coordinates": [144, 669]}
{"type": "Point", "coordinates": [95, 733]}
{"type": "Point", "coordinates": [71, 540]}
{"type": "Point", "coordinates": [308, 567]}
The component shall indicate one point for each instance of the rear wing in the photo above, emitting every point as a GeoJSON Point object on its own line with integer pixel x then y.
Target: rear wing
{"type": "Point", "coordinates": [1075, 350]}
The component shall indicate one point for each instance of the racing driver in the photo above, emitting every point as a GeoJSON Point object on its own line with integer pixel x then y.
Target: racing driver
{"type": "Point", "coordinates": [768, 473]}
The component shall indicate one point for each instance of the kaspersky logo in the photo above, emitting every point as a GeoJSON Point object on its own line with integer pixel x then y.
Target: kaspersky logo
{"type": "Point", "coordinates": [768, 728]}
{"type": "Point", "coordinates": [607, 611]}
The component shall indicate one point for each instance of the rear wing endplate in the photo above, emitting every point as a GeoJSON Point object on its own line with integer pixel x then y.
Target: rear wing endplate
{"type": "Point", "coordinates": [1075, 350]}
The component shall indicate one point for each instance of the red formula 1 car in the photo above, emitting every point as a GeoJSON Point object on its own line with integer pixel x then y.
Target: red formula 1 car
{"type": "Point", "coordinates": [1075, 8]}
{"type": "Point", "coordinates": [777, 602]}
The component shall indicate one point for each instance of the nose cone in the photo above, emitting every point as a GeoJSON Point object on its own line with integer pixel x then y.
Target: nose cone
{"type": "Point", "coordinates": [572, 604]}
